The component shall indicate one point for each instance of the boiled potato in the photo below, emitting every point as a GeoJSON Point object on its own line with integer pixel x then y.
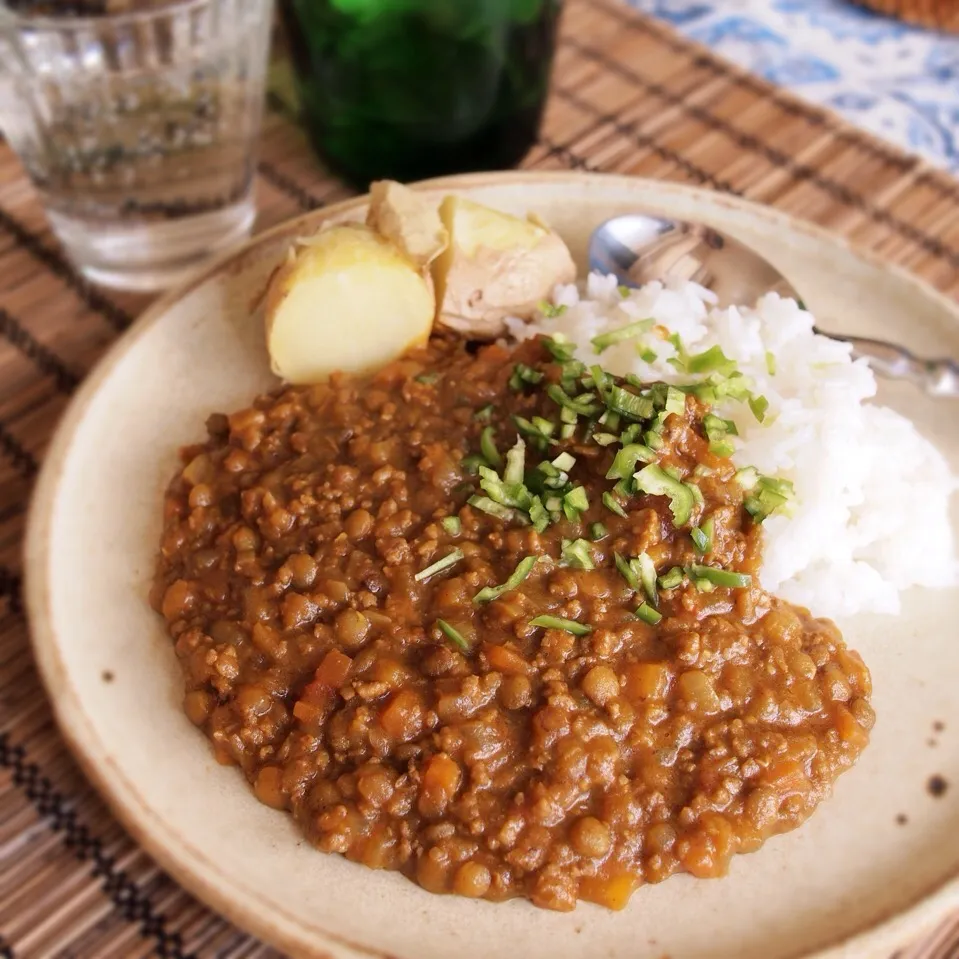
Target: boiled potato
{"type": "Point", "coordinates": [495, 265]}
{"type": "Point", "coordinates": [408, 220]}
{"type": "Point", "coordinates": [346, 299]}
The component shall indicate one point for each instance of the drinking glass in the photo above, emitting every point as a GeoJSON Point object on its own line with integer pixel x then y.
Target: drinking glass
{"type": "Point", "coordinates": [415, 88]}
{"type": "Point", "coordinates": [138, 128]}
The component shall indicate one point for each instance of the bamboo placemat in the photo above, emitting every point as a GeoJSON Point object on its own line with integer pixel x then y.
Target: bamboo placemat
{"type": "Point", "coordinates": [629, 96]}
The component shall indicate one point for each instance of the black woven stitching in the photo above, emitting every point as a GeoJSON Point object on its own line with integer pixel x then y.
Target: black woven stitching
{"type": "Point", "coordinates": [631, 132]}
{"type": "Point", "coordinates": [285, 184]}
{"type": "Point", "coordinates": [43, 358]}
{"type": "Point", "coordinates": [11, 588]}
{"type": "Point", "coordinates": [58, 264]}
{"type": "Point", "coordinates": [799, 171]}
{"type": "Point", "coordinates": [23, 461]}
{"type": "Point", "coordinates": [128, 899]}
{"type": "Point", "coordinates": [565, 153]}
{"type": "Point", "coordinates": [813, 115]}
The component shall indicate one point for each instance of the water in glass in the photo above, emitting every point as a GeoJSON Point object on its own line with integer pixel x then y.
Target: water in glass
{"type": "Point", "coordinates": [139, 129]}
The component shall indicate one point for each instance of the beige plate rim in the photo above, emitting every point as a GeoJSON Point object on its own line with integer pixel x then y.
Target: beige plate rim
{"type": "Point", "coordinates": [189, 865]}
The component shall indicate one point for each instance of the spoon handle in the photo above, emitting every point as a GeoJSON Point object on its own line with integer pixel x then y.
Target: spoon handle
{"type": "Point", "coordinates": [939, 377]}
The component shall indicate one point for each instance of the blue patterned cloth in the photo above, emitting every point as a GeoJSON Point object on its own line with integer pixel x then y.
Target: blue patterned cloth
{"type": "Point", "coordinates": [898, 81]}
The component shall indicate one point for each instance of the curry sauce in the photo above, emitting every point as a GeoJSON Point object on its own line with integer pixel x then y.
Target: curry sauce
{"type": "Point", "coordinates": [453, 621]}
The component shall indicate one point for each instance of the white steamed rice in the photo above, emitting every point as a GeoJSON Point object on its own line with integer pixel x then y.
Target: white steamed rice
{"type": "Point", "coordinates": [865, 479]}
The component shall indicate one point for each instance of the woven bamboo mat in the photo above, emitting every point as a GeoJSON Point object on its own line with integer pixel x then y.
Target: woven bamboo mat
{"type": "Point", "coordinates": [629, 96]}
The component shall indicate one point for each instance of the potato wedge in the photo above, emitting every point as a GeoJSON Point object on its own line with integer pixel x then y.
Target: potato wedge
{"type": "Point", "coordinates": [408, 220]}
{"type": "Point", "coordinates": [347, 299]}
{"type": "Point", "coordinates": [496, 265]}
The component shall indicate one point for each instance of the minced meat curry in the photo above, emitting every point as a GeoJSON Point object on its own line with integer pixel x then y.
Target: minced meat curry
{"type": "Point", "coordinates": [493, 619]}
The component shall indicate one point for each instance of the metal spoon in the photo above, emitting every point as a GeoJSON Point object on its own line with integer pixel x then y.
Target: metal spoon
{"type": "Point", "coordinates": [637, 249]}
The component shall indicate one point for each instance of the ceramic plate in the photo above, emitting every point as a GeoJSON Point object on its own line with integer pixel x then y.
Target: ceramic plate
{"type": "Point", "coordinates": [877, 864]}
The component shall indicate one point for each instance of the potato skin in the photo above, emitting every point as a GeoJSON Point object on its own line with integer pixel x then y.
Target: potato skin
{"type": "Point", "coordinates": [408, 220]}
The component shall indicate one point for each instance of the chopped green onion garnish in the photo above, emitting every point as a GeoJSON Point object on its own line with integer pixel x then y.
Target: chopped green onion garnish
{"type": "Point", "coordinates": [570, 371]}
{"type": "Point", "coordinates": [700, 540]}
{"type": "Point", "coordinates": [427, 379]}
{"type": "Point", "coordinates": [486, 505]}
{"type": "Point", "coordinates": [472, 463]}
{"type": "Point", "coordinates": [567, 625]}
{"type": "Point", "coordinates": [625, 460]}
{"type": "Point", "coordinates": [549, 310]}
{"type": "Point", "coordinates": [715, 427]}
{"type": "Point", "coordinates": [613, 505]}
{"type": "Point", "coordinates": [575, 502]}
{"type": "Point", "coordinates": [567, 431]}
{"type": "Point", "coordinates": [485, 414]}
{"type": "Point", "coordinates": [610, 420]}
{"type": "Point", "coordinates": [655, 481]}
{"type": "Point", "coordinates": [672, 579]}
{"type": "Point", "coordinates": [720, 577]}
{"type": "Point", "coordinates": [523, 375]}
{"type": "Point", "coordinates": [488, 447]}
{"type": "Point", "coordinates": [581, 405]}
{"type": "Point", "coordinates": [523, 569]}
{"type": "Point", "coordinates": [759, 405]}
{"type": "Point", "coordinates": [679, 360]}
{"type": "Point", "coordinates": [506, 494]}
{"type": "Point", "coordinates": [450, 559]}
{"type": "Point", "coordinates": [628, 332]}
{"type": "Point", "coordinates": [648, 615]}
{"type": "Point", "coordinates": [629, 404]}
{"type": "Point", "coordinates": [747, 477]}
{"type": "Point", "coordinates": [770, 363]}
{"type": "Point", "coordinates": [702, 536]}
{"type": "Point", "coordinates": [717, 430]}
{"type": "Point", "coordinates": [736, 387]}
{"type": "Point", "coordinates": [712, 360]}
{"type": "Point", "coordinates": [647, 576]}
{"type": "Point", "coordinates": [597, 531]}
{"type": "Point", "coordinates": [453, 635]}
{"type": "Point", "coordinates": [546, 427]}
{"type": "Point", "coordinates": [601, 380]}
{"type": "Point", "coordinates": [515, 464]}
{"type": "Point", "coordinates": [704, 585]}
{"type": "Point", "coordinates": [533, 432]}
{"type": "Point", "coordinates": [576, 553]}
{"type": "Point", "coordinates": [452, 525]}
{"type": "Point", "coordinates": [722, 447]}
{"type": "Point", "coordinates": [653, 440]}
{"type": "Point", "coordinates": [604, 439]}
{"type": "Point", "coordinates": [632, 433]}
{"type": "Point", "coordinates": [675, 401]}
{"type": "Point", "coordinates": [567, 416]}
{"type": "Point", "coordinates": [697, 494]}
{"type": "Point", "coordinates": [767, 496]}
{"type": "Point", "coordinates": [538, 514]}
{"type": "Point", "coordinates": [626, 571]}
{"type": "Point", "coordinates": [559, 348]}
{"type": "Point", "coordinates": [709, 528]}
{"type": "Point", "coordinates": [564, 462]}
{"type": "Point", "coordinates": [554, 503]}
{"type": "Point", "coordinates": [623, 290]}
{"type": "Point", "coordinates": [646, 354]}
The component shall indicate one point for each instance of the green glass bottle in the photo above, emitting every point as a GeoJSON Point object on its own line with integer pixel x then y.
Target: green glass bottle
{"type": "Point", "coordinates": [408, 89]}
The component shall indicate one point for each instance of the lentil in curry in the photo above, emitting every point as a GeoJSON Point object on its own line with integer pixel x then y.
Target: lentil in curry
{"type": "Point", "coordinates": [483, 619]}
